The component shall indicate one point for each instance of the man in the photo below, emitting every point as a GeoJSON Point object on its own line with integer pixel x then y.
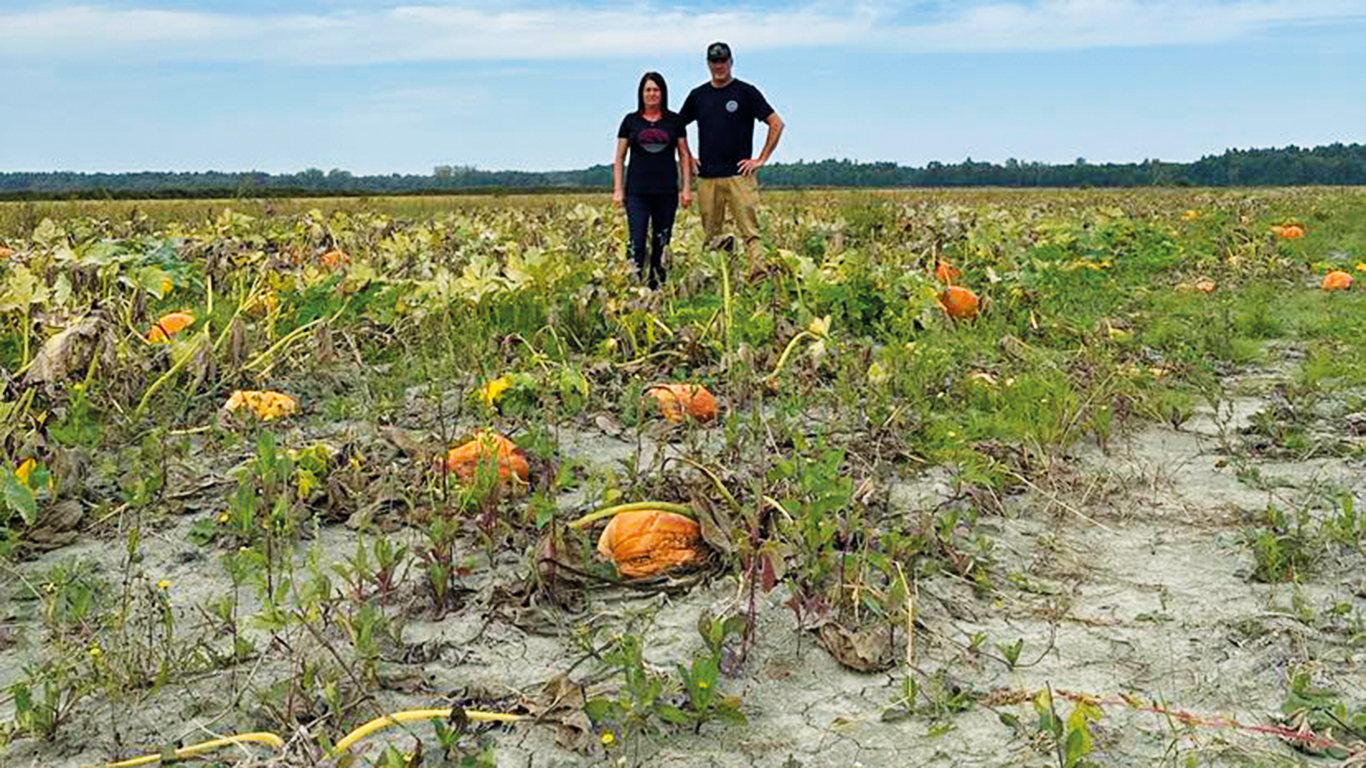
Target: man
{"type": "Point", "coordinates": [725, 110]}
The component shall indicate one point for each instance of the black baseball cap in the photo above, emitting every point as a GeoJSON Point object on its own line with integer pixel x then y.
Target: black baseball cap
{"type": "Point", "coordinates": [718, 52]}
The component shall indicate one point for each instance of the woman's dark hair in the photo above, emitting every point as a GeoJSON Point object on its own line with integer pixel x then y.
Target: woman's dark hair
{"type": "Point", "coordinates": [663, 91]}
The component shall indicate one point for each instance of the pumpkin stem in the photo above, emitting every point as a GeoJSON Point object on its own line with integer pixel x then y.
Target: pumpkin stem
{"type": "Point", "coordinates": [663, 506]}
{"type": "Point", "coordinates": [419, 715]}
{"type": "Point", "coordinates": [787, 352]}
{"type": "Point", "coordinates": [720, 487]}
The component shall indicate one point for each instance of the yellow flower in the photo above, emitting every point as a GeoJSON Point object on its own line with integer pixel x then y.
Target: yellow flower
{"type": "Point", "coordinates": [222, 517]}
{"type": "Point", "coordinates": [23, 470]}
{"type": "Point", "coordinates": [95, 652]}
{"type": "Point", "coordinates": [608, 738]}
{"type": "Point", "coordinates": [163, 584]}
{"type": "Point", "coordinates": [1361, 267]}
{"type": "Point", "coordinates": [701, 683]}
{"type": "Point", "coordinates": [166, 287]}
{"type": "Point", "coordinates": [492, 391]}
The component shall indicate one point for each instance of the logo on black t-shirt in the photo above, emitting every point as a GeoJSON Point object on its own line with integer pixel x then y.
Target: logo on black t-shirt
{"type": "Point", "coordinates": [653, 140]}
{"type": "Point", "coordinates": [732, 105]}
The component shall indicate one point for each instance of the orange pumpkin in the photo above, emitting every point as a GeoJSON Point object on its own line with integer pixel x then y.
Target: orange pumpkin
{"type": "Point", "coordinates": [1337, 281]}
{"type": "Point", "coordinates": [1206, 286]}
{"type": "Point", "coordinates": [5, 253]}
{"type": "Point", "coordinates": [679, 400]}
{"type": "Point", "coordinates": [945, 273]}
{"type": "Point", "coordinates": [333, 259]}
{"type": "Point", "coordinates": [644, 542]}
{"type": "Point", "coordinates": [464, 460]}
{"type": "Point", "coordinates": [1288, 231]}
{"type": "Point", "coordinates": [169, 326]}
{"type": "Point", "coordinates": [959, 302]}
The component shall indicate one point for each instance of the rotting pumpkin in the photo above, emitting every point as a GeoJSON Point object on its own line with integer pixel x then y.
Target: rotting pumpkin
{"type": "Point", "coordinates": [168, 326]}
{"type": "Point", "coordinates": [960, 303]}
{"type": "Point", "coordinates": [1337, 281]}
{"type": "Point", "coordinates": [644, 542]}
{"type": "Point", "coordinates": [463, 461]}
{"type": "Point", "coordinates": [677, 401]}
{"type": "Point", "coordinates": [266, 405]}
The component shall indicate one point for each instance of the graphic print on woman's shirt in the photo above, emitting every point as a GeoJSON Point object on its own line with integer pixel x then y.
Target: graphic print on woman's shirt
{"type": "Point", "coordinates": [653, 140]}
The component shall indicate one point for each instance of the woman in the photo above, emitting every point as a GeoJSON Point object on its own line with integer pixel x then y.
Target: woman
{"type": "Point", "coordinates": [650, 188]}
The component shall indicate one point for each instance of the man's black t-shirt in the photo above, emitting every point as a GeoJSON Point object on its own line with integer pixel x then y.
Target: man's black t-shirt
{"type": "Point", "coordinates": [653, 166]}
{"type": "Point", "coordinates": [725, 124]}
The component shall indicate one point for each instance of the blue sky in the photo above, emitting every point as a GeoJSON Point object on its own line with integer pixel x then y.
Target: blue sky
{"type": "Point", "coordinates": [398, 86]}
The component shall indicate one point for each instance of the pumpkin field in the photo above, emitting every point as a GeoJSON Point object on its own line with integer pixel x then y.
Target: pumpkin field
{"type": "Point", "coordinates": [981, 477]}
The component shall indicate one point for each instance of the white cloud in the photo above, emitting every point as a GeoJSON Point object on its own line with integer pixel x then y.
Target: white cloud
{"type": "Point", "coordinates": [476, 31]}
{"type": "Point", "coordinates": [1075, 24]}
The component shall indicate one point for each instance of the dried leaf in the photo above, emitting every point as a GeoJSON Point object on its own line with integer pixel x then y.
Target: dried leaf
{"type": "Point", "coordinates": [66, 353]}
{"type": "Point", "coordinates": [864, 650]}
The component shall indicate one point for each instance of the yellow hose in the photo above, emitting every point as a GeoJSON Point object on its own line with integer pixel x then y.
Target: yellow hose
{"type": "Point", "coordinates": [411, 715]}
{"type": "Point", "coordinates": [207, 746]}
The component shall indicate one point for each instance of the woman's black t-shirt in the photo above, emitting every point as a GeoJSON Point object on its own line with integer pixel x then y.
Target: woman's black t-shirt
{"type": "Point", "coordinates": [652, 167]}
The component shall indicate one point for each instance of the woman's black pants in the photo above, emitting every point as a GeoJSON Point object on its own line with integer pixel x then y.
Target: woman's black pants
{"type": "Point", "coordinates": [651, 213]}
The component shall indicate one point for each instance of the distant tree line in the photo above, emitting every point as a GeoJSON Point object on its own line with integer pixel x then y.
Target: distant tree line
{"type": "Point", "coordinates": [1335, 164]}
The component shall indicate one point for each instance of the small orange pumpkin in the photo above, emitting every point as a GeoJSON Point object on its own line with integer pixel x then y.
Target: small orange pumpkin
{"type": "Point", "coordinates": [334, 259]}
{"type": "Point", "coordinates": [1205, 285]}
{"type": "Point", "coordinates": [168, 326]}
{"type": "Point", "coordinates": [1337, 281]}
{"type": "Point", "coordinates": [1288, 231]}
{"type": "Point", "coordinates": [679, 400]}
{"type": "Point", "coordinates": [945, 273]}
{"type": "Point", "coordinates": [5, 253]}
{"type": "Point", "coordinates": [644, 542]}
{"type": "Point", "coordinates": [464, 460]}
{"type": "Point", "coordinates": [959, 302]}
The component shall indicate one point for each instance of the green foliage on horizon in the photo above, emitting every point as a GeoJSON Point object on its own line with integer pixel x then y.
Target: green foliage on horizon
{"type": "Point", "coordinates": [1334, 164]}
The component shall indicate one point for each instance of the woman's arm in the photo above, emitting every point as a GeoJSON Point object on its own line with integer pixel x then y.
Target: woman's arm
{"type": "Point", "coordinates": [618, 177]}
{"type": "Point", "coordinates": [685, 171]}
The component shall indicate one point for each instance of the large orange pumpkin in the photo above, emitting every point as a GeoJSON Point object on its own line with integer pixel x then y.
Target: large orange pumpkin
{"type": "Point", "coordinates": [679, 400]}
{"type": "Point", "coordinates": [959, 302]}
{"type": "Point", "coordinates": [1337, 281]}
{"type": "Point", "coordinates": [644, 542]}
{"type": "Point", "coordinates": [945, 273]}
{"type": "Point", "coordinates": [464, 460]}
{"type": "Point", "coordinates": [168, 326]}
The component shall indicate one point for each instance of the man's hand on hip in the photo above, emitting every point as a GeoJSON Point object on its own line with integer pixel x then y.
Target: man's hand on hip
{"type": "Point", "coordinates": [751, 165]}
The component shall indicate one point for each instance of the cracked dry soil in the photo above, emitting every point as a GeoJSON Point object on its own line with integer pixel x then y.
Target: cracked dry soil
{"type": "Point", "coordinates": [1129, 575]}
